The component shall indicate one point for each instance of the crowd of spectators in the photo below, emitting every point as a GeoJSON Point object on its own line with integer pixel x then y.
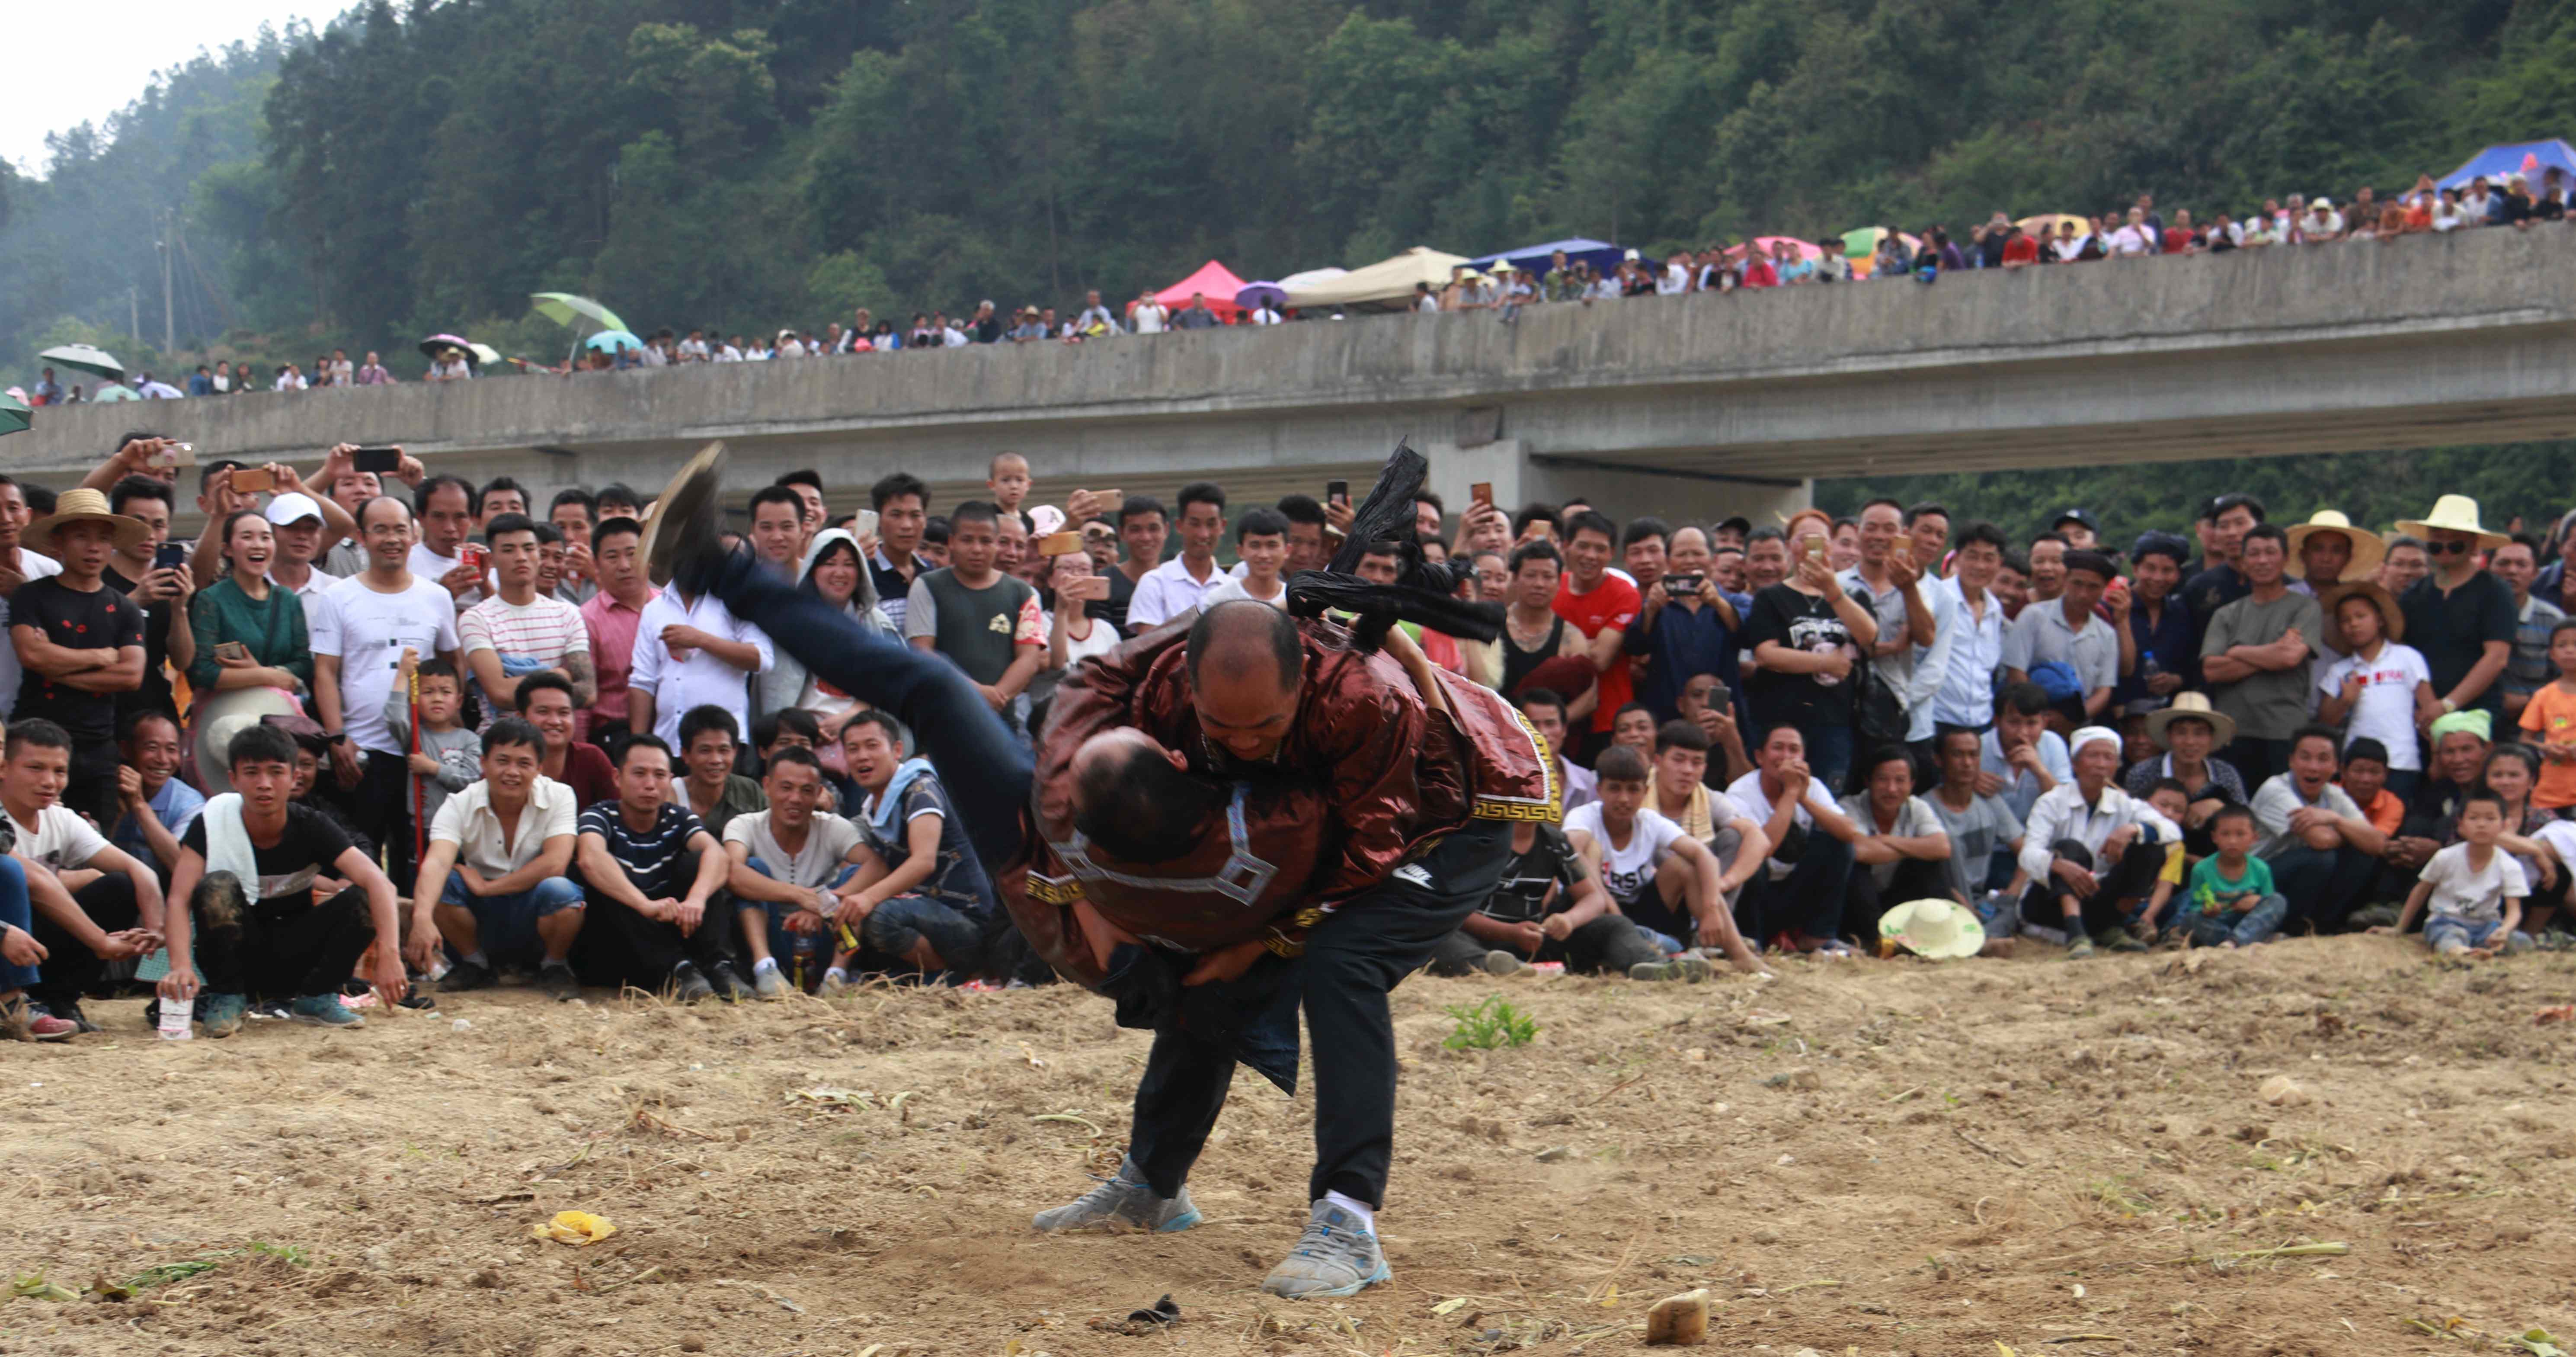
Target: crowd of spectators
{"type": "Point", "coordinates": [2137, 231]}
{"type": "Point", "coordinates": [372, 731]}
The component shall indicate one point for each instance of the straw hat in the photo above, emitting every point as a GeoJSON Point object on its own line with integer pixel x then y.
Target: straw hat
{"type": "Point", "coordinates": [1935, 929]}
{"type": "Point", "coordinates": [85, 505]}
{"type": "Point", "coordinates": [2368, 548]}
{"type": "Point", "coordinates": [2222, 727]}
{"type": "Point", "coordinates": [2392, 619]}
{"type": "Point", "coordinates": [221, 716]}
{"type": "Point", "coordinates": [2454, 513]}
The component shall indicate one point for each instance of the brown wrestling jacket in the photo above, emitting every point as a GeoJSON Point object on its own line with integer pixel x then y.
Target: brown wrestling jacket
{"type": "Point", "coordinates": [1369, 776]}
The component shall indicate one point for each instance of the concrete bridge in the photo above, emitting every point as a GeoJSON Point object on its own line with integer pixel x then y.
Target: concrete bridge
{"type": "Point", "coordinates": [1700, 404]}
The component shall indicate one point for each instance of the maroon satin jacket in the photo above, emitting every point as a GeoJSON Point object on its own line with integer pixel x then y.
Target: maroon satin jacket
{"type": "Point", "coordinates": [1369, 776]}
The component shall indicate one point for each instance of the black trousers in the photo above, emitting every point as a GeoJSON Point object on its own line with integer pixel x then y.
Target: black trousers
{"type": "Point", "coordinates": [91, 789]}
{"type": "Point", "coordinates": [273, 952]}
{"type": "Point", "coordinates": [1809, 900]}
{"type": "Point", "coordinates": [381, 810]}
{"type": "Point", "coordinates": [2322, 887]}
{"type": "Point", "coordinates": [1610, 943]}
{"type": "Point", "coordinates": [1353, 959]}
{"type": "Point", "coordinates": [70, 969]}
{"type": "Point", "coordinates": [621, 947]}
{"type": "Point", "coordinates": [2134, 875]}
{"type": "Point", "coordinates": [1864, 900]}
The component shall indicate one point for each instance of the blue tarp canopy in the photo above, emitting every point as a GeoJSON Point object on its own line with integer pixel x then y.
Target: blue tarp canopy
{"type": "Point", "coordinates": [2526, 158]}
{"type": "Point", "coordinates": [1602, 255]}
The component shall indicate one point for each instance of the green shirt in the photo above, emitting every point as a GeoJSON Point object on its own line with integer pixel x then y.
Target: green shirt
{"type": "Point", "coordinates": [272, 628]}
{"type": "Point", "coordinates": [2213, 893]}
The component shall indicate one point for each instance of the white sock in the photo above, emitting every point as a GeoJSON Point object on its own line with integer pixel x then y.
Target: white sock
{"type": "Point", "coordinates": [1368, 1218]}
{"type": "Point", "coordinates": [836, 973]}
{"type": "Point", "coordinates": [476, 958]}
{"type": "Point", "coordinates": [767, 963]}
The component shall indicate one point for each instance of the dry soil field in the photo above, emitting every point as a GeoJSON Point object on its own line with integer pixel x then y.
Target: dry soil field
{"type": "Point", "coordinates": [1863, 1157]}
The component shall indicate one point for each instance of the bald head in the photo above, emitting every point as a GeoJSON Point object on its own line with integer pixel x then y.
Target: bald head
{"type": "Point", "coordinates": [1135, 799]}
{"type": "Point", "coordinates": [1240, 640]}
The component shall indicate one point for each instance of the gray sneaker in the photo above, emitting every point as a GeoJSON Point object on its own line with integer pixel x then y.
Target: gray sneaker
{"type": "Point", "coordinates": [1335, 1257]}
{"type": "Point", "coordinates": [1500, 962]}
{"type": "Point", "coordinates": [1689, 968]}
{"type": "Point", "coordinates": [1124, 1202]}
{"type": "Point", "coordinates": [768, 983]}
{"type": "Point", "coordinates": [2079, 947]}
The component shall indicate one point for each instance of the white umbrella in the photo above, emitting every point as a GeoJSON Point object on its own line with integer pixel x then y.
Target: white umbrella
{"type": "Point", "coordinates": [84, 358]}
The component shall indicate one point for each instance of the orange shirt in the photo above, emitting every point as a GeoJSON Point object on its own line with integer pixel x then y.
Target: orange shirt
{"type": "Point", "coordinates": [2552, 717]}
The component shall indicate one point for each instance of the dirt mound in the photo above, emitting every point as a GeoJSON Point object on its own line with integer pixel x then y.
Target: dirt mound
{"type": "Point", "coordinates": [1880, 1157]}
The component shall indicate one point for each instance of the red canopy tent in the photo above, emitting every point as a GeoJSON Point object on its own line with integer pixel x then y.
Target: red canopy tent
{"type": "Point", "coordinates": [1213, 280]}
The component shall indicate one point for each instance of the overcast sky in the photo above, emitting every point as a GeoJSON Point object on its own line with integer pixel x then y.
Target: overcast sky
{"type": "Point", "coordinates": [96, 66]}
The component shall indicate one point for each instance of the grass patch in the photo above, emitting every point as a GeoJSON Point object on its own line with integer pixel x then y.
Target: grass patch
{"type": "Point", "coordinates": [1489, 1026]}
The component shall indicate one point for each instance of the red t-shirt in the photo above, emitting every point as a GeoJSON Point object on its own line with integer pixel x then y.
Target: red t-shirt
{"type": "Point", "coordinates": [1612, 603]}
{"type": "Point", "coordinates": [2021, 250]}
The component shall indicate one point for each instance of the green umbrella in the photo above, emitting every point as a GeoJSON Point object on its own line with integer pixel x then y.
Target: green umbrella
{"type": "Point", "coordinates": [565, 309]}
{"type": "Point", "coordinates": [14, 416]}
{"type": "Point", "coordinates": [83, 358]}
{"type": "Point", "coordinates": [113, 391]}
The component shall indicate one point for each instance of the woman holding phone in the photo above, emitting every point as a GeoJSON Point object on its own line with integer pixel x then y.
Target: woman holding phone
{"type": "Point", "coordinates": [249, 632]}
{"type": "Point", "coordinates": [1807, 632]}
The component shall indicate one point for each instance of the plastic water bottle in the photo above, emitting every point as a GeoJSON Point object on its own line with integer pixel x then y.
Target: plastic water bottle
{"type": "Point", "coordinates": [176, 1017]}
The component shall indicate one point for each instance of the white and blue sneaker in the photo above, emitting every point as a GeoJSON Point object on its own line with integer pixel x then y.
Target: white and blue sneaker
{"type": "Point", "coordinates": [1337, 1256]}
{"type": "Point", "coordinates": [324, 1010]}
{"type": "Point", "coordinates": [1125, 1202]}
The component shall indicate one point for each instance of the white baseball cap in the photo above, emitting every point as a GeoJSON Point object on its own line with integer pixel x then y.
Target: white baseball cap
{"type": "Point", "coordinates": [293, 507]}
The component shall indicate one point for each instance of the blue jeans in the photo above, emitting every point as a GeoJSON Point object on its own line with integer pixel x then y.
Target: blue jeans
{"type": "Point", "coordinates": [2259, 924]}
{"type": "Point", "coordinates": [18, 913]}
{"type": "Point", "coordinates": [2443, 933]}
{"type": "Point", "coordinates": [810, 944]}
{"type": "Point", "coordinates": [1829, 756]}
{"type": "Point", "coordinates": [509, 922]}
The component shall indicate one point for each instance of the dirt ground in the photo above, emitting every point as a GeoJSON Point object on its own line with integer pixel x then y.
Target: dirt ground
{"type": "Point", "coordinates": [1856, 1158]}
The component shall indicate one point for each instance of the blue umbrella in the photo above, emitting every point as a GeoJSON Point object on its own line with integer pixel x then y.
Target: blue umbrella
{"type": "Point", "coordinates": [1534, 259]}
{"type": "Point", "coordinates": [612, 341]}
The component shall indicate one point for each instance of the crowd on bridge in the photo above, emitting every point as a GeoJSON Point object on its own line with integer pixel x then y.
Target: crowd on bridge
{"type": "Point", "coordinates": [376, 729]}
{"type": "Point", "coordinates": [2138, 231]}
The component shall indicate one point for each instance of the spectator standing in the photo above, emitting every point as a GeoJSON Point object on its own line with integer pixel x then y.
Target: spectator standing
{"type": "Point", "coordinates": [80, 644]}
{"type": "Point", "coordinates": [358, 636]}
{"type": "Point", "coordinates": [519, 632]}
{"type": "Point", "coordinates": [161, 593]}
{"type": "Point", "coordinates": [1142, 530]}
{"type": "Point", "coordinates": [1966, 698]}
{"type": "Point", "coordinates": [1602, 606]}
{"type": "Point", "coordinates": [1886, 574]}
{"type": "Point", "coordinates": [2064, 647]}
{"type": "Point", "coordinates": [2257, 655]}
{"type": "Point", "coordinates": [447, 507]}
{"type": "Point", "coordinates": [2225, 522]}
{"type": "Point", "coordinates": [494, 878]}
{"type": "Point", "coordinates": [902, 503]}
{"type": "Point", "coordinates": [1807, 632]}
{"type": "Point", "coordinates": [1196, 315]}
{"type": "Point", "coordinates": [2377, 689]}
{"type": "Point", "coordinates": [576, 515]}
{"type": "Point", "coordinates": [47, 391]}
{"type": "Point", "coordinates": [246, 632]}
{"type": "Point", "coordinates": [1685, 626]}
{"type": "Point", "coordinates": [2158, 656]}
{"type": "Point", "coordinates": [1149, 315]}
{"type": "Point", "coordinates": [833, 571]}
{"type": "Point", "coordinates": [1176, 587]}
{"type": "Point", "coordinates": [2460, 618]}
{"type": "Point", "coordinates": [447, 757]}
{"type": "Point", "coordinates": [1261, 548]}
{"type": "Point", "coordinates": [691, 652]}
{"type": "Point", "coordinates": [372, 372]}
{"type": "Point", "coordinates": [610, 620]}
{"type": "Point", "coordinates": [653, 879]}
{"type": "Point", "coordinates": [985, 622]}
{"type": "Point", "coordinates": [2529, 669]}
{"type": "Point", "coordinates": [2550, 720]}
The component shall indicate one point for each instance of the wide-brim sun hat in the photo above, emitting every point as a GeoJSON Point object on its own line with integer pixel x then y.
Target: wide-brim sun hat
{"type": "Point", "coordinates": [2368, 548]}
{"type": "Point", "coordinates": [2222, 727]}
{"type": "Point", "coordinates": [85, 505]}
{"type": "Point", "coordinates": [2392, 618]}
{"type": "Point", "coordinates": [221, 716]}
{"type": "Point", "coordinates": [2453, 513]}
{"type": "Point", "coordinates": [1935, 929]}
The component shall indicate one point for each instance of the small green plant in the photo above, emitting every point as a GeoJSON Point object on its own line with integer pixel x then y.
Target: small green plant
{"type": "Point", "coordinates": [165, 1273]}
{"type": "Point", "coordinates": [292, 1255]}
{"type": "Point", "coordinates": [1488, 1025]}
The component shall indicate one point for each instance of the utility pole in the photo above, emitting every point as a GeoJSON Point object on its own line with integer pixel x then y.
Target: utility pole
{"type": "Point", "coordinates": [134, 314]}
{"type": "Point", "coordinates": [169, 322]}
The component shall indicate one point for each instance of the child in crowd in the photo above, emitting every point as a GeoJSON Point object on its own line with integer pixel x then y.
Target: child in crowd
{"type": "Point", "coordinates": [2474, 888]}
{"type": "Point", "coordinates": [2380, 690]}
{"type": "Point", "coordinates": [2365, 780]}
{"type": "Point", "coordinates": [2551, 719]}
{"type": "Point", "coordinates": [2232, 903]}
{"type": "Point", "coordinates": [2174, 799]}
{"type": "Point", "coordinates": [450, 757]}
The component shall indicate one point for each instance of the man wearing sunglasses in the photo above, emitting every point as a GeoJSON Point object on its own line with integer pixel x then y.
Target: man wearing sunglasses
{"type": "Point", "coordinates": [2461, 617]}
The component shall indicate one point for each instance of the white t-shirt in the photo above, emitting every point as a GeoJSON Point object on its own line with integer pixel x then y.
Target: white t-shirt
{"type": "Point", "coordinates": [1232, 588]}
{"type": "Point", "coordinates": [828, 841]}
{"type": "Point", "coordinates": [1103, 639]}
{"type": "Point", "coordinates": [429, 565]}
{"type": "Point", "coordinates": [59, 840]}
{"type": "Point", "coordinates": [2476, 897]}
{"type": "Point", "coordinates": [367, 631]}
{"type": "Point", "coordinates": [1627, 872]}
{"type": "Point", "coordinates": [1148, 317]}
{"type": "Point", "coordinates": [1746, 792]}
{"type": "Point", "coordinates": [2385, 711]}
{"type": "Point", "coordinates": [35, 565]}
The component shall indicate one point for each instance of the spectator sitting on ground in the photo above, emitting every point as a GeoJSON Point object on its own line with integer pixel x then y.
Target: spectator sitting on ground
{"type": "Point", "coordinates": [94, 903]}
{"type": "Point", "coordinates": [495, 870]}
{"type": "Point", "coordinates": [654, 880]}
{"type": "Point", "coordinates": [1795, 898]}
{"type": "Point", "coordinates": [2473, 888]}
{"type": "Point", "coordinates": [252, 924]}
{"type": "Point", "coordinates": [2187, 731]}
{"type": "Point", "coordinates": [449, 757]}
{"type": "Point", "coordinates": [920, 894]}
{"type": "Point", "coordinates": [709, 743]}
{"type": "Point", "coordinates": [2231, 901]}
{"type": "Point", "coordinates": [155, 807]}
{"type": "Point", "coordinates": [2090, 848]}
{"type": "Point", "coordinates": [1546, 713]}
{"type": "Point", "coordinates": [2321, 849]}
{"type": "Point", "coordinates": [788, 866]}
{"type": "Point", "coordinates": [1903, 851]}
{"type": "Point", "coordinates": [1661, 879]}
{"type": "Point", "coordinates": [1982, 830]}
{"type": "Point", "coordinates": [2512, 770]}
{"type": "Point", "coordinates": [2021, 759]}
{"type": "Point", "coordinates": [1707, 704]}
{"type": "Point", "coordinates": [1683, 796]}
{"type": "Point", "coordinates": [1549, 906]}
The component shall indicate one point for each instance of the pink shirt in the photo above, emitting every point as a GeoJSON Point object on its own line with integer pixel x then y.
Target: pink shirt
{"type": "Point", "coordinates": [612, 653]}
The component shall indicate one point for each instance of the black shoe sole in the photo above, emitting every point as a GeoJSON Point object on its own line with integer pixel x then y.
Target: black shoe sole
{"type": "Point", "coordinates": [673, 520]}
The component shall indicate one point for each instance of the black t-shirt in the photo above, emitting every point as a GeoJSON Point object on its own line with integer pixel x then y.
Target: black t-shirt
{"type": "Point", "coordinates": [2452, 630]}
{"type": "Point", "coordinates": [155, 694]}
{"type": "Point", "coordinates": [1122, 591]}
{"type": "Point", "coordinates": [309, 848]}
{"type": "Point", "coordinates": [1800, 621]}
{"type": "Point", "coordinates": [1551, 863]}
{"type": "Point", "coordinates": [99, 619]}
{"type": "Point", "coordinates": [657, 861]}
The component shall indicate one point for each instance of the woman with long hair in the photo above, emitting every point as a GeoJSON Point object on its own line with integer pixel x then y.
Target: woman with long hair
{"type": "Point", "coordinates": [264, 621]}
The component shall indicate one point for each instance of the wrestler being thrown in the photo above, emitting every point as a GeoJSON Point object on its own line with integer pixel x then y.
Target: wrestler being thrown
{"type": "Point", "coordinates": [1225, 818]}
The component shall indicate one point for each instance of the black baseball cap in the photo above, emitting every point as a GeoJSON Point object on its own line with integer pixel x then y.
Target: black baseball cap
{"type": "Point", "coordinates": [2081, 517]}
